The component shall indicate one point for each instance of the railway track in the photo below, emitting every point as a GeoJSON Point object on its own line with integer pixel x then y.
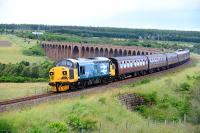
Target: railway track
{"type": "Point", "coordinates": [17, 100]}
{"type": "Point", "coordinates": [36, 99]}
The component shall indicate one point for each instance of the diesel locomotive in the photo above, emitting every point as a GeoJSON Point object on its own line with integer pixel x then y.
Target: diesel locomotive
{"type": "Point", "coordinates": [82, 72]}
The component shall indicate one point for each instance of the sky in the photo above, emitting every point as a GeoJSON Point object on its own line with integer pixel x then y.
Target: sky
{"type": "Point", "coordinates": [148, 14]}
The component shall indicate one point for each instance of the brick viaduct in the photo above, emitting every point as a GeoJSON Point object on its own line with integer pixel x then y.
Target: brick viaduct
{"type": "Point", "coordinates": [59, 50]}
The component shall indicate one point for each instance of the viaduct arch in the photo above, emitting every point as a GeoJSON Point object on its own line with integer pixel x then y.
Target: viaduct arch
{"type": "Point", "coordinates": [59, 50]}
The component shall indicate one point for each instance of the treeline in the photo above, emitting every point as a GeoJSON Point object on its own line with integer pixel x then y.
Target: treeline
{"type": "Point", "coordinates": [25, 72]}
{"type": "Point", "coordinates": [145, 34]}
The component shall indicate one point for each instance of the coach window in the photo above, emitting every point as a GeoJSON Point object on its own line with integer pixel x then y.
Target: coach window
{"type": "Point", "coordinates": [127, 64]}
{"type": "Point", "coordinates": [121, 65]}
{"type": "Point", "coordinates": [131, 65]}
{"type": "Point", "coordinates": [124, 64]}
{"type": "Point", "coordinates": [138, 63]}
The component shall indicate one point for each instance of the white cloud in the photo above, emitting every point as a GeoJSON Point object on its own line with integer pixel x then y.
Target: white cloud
{"type": "Point", "coordinates": [82, 12]}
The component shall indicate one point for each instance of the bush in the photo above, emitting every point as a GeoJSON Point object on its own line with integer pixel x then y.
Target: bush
{"type": "Point", "coordinates": [36, 50]}
{"type": "Point", "coordinates": [150, 98]}
{"type": "Point", "coordinates": [5, 126]}
{"type": "Point", "coordinates": [145, 81]}
{"type": "Point", "coordinates": [58, 127]}
{"type": "Point", "coordinates": [184, 87]}
{"type": "Point", "coordinates": [141, 108]}
{"type": "Point", "coordinates": [24, 71]}
{"type": "Point", "coordinates": [78, 124]}
{"type": "Point", "coordinates": [102, 100]}
{"type": "Point", "coordinates": [166, 108]}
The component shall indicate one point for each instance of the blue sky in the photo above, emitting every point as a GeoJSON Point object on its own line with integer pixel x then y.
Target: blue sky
{"type": "Point", "coordinates": [151, 14]}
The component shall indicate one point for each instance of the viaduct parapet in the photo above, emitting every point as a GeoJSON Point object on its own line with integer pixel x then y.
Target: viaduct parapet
{"type": "Point", "coordinates": [59, 50]}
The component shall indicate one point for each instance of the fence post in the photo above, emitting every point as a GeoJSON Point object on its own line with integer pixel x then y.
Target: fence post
{"type": "Point", "coordinates": [126, 126]}
{"type": "Point", "coordinates": [99, 127]}
{"type": "Point", "coordinates": [165, 122]}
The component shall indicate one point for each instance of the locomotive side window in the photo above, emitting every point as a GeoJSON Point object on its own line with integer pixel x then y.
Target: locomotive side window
{"type": "Point", "coordinates": [82, 70]}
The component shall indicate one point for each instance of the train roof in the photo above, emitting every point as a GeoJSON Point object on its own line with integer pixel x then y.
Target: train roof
{"type": "Point", "coordinates": [86, 60]}
{"type": "Point", "coordinates": [155, 55]}
{"type": "Point", "coordinates": [182, 52]}
{"type": "Point", "coordinates": [128, 58]}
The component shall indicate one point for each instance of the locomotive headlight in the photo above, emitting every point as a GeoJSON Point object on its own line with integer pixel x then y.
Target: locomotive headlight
{"type": "Point", "coordinates": [51, 73]}
{"type": "Point", "coordinates": [64, 72]}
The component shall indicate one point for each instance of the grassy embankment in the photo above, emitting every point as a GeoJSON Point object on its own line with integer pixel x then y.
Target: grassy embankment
{"type": "Point", "coordinates": [14, 53]}
{"type": "Point", "coordinates": [16, 90]}
{"type": "Point", "coordinates": [110, 115]}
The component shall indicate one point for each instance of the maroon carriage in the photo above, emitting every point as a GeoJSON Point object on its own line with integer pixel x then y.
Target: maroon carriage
{"type": "Point", "coordinates": [157, 61]}
{"type": "Point", "coordinates": [130, 65]}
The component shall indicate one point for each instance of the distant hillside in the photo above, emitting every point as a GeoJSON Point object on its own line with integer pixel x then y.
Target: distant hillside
{"type": "Point", "coordinates": [147, 34]}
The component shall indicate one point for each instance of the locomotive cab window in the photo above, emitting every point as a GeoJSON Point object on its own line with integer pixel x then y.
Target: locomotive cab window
{"type": "Point", "coordinates": [69, 64]}
{"type": "Point", "coordinates": [82, 70]}
{"type": "Point", "coordinates": [61, 63]}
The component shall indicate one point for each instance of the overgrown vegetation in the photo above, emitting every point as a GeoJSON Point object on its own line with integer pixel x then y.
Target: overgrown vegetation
{"type": "Point", "coordinates": [58, 127]}
{"type": "Point", "coordinates": [35, 50]}
{"type": "Point", "coordinates": [194, 113]}
{"type": "Point", "coordinates": [81, 124]}
{"type": "Point", "coordinates": [157, 109]}
{"type": "Point", "coordinates": [25, 71]}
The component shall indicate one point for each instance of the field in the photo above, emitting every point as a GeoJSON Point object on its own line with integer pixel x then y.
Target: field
{"type": "Point", "coordinates": [16, 90]}
{"type": "Point", "coordinates": [107, 111]}
{"type": "Point", "coordinates": [13, 53]}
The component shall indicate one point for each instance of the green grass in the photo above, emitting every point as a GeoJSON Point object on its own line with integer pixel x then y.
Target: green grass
{"type": "Point", "coordinates": [16, 90]}
{"type": "Point", "coordinates": [14, 53]}
{"type": "Point", "coordinates": [106, 109]}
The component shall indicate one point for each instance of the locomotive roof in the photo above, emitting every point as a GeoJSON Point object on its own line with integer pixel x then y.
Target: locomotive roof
{"type": "Point", "coordinates": [82, 60]}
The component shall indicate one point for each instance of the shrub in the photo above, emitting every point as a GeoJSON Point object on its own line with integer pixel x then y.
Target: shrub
{"type": "Point", "coordinates": [5, 126]}
{"type": "Point", "coordinates": [184, 87]}
{"type": "Point", "coordinates": [141, 108]}
{"type": "Point", "coordinates": [58, 127]}
{"type": "Point", "coordinates": [150, 98]}
{"type": "Point", "coordinates": [78, 124]}
{"type": "Point", "coordinates": [24, 71]}
{"type": "Point", "coordinates": [102, 100]}
{"type": "Point", "coordinates": [36, 50]}
{"type": "Point", "coordinates": [109, 118]}
{"type": "Point", "coordinates": [188, 77]}
{"type": "Point", "coordinates": [145, 81]}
